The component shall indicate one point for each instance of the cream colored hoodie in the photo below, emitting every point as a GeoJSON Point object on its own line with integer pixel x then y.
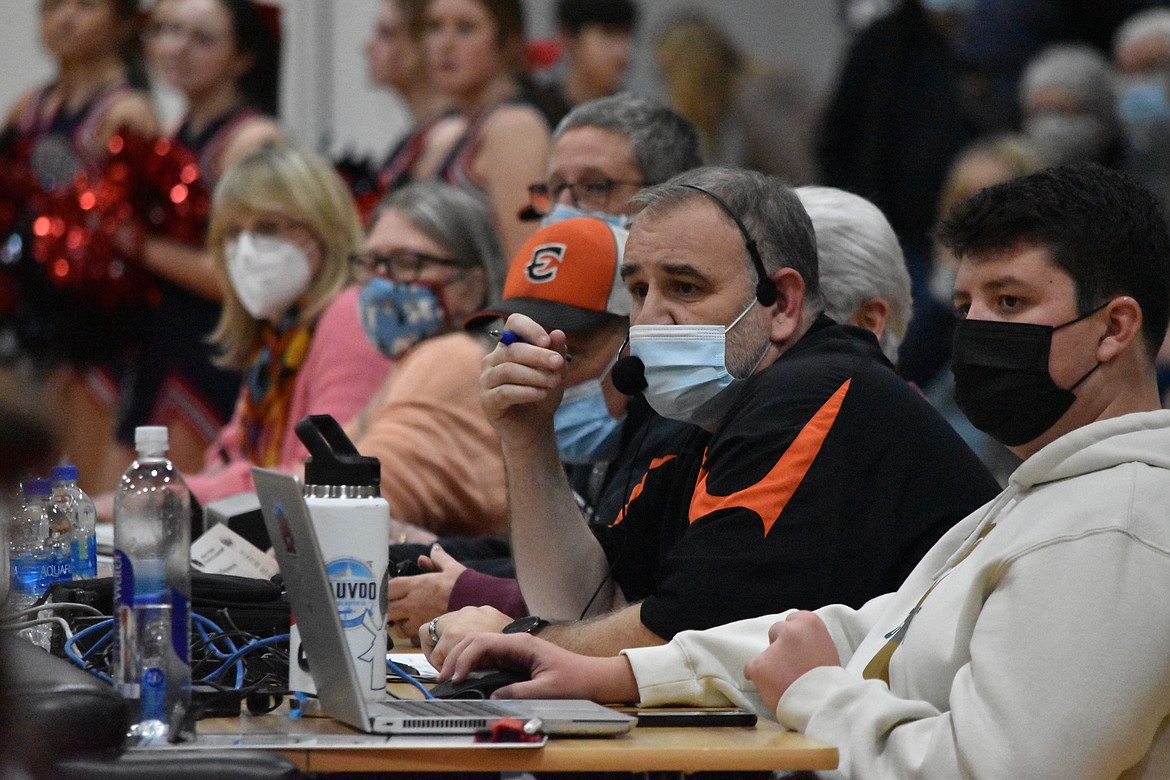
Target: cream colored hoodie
{"type": "Point", "coordinates": [1045, 653]}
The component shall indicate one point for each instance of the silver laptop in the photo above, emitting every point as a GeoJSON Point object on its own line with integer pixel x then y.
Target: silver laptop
{"type": "Point", "coordinates": [322, 637]}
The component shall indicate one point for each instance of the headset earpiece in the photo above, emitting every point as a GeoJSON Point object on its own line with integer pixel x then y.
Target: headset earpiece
{"type": "Point", "coordinates": [766, 291]}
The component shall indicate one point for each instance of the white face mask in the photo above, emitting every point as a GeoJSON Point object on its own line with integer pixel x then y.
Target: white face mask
{"type": "Point", "coordinates": [686, 370]}
{"type": "Point", "coordinates": [267, 273]}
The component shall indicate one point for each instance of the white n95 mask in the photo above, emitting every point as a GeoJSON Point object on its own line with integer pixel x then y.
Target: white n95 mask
{"type": "Point", "coordinates": [267, 273]}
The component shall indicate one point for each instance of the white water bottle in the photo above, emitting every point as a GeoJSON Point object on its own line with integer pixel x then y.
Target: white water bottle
{"type": "Point", "coordinates": [82, 514]}
{"type": "Point", "coordinates": [352, 524]}
{"type": "Point", "coordinates": [152, 589]}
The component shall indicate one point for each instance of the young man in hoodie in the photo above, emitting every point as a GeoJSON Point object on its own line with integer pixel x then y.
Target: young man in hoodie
{"type": "Point", "coordinates": [1033, 640]}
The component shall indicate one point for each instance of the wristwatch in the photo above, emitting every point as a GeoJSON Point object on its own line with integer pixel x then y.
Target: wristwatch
{"type": "Point", "coordinates": [530, 624]}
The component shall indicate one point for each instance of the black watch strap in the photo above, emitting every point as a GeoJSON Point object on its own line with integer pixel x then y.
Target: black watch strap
{"type": "Point", "coordinates": [529, 624]}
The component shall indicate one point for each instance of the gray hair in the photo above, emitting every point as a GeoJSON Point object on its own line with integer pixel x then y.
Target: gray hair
{"type": "Point", "coordinates": [663, 143]}
{"type": "Point", "coordinates": [1152, 21]}
{"type": "Point", "coordinates": [766, 206]}
{"type": "Point", "coordinates": [458, 221]}
{"type": "Point", "coordinates": [860, 259]}
{"type": "Point", "coordinates": [1080, 69]}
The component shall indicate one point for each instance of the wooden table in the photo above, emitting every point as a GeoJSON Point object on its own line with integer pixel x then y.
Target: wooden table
{"type": "Point", "coordinates": [765, 747]}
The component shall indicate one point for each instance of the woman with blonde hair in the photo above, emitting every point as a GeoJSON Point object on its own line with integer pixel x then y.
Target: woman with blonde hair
{"type": "Point", "coordinates": [282, 230]}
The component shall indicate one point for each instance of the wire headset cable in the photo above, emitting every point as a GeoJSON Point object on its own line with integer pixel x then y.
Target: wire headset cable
{"type": "Point", "coordinates": [629, 373]}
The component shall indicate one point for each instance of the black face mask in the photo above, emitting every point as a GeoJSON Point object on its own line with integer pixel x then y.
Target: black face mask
{"type": "Point", "coordinates": [1002, 382]}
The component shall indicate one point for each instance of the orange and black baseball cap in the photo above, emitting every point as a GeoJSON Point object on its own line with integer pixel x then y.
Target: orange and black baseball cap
{"type": "Point", "coordinates": [566, 277]}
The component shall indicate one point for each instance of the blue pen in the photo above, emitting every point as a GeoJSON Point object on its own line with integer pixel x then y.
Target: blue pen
{"type": "Point", "coordinates": [506, 337]}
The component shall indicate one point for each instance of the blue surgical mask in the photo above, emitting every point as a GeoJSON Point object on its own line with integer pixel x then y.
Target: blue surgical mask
{"type": "Point", "coordinates": [686, 370]}
{"type": "Point", "coordinates": [1143, 101]}
{"type": "Point", "coordinates": [398, 315]}
{"type": "Point", "coordinates": [586, 432]}
{"type": "Point", "coordinates": [562, 211]}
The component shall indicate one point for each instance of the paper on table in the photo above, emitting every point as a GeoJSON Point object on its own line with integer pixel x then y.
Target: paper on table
{"type": "Point", "coordinates": [220, 550]}
{"type": "Point", "coordinates": [417, 662]}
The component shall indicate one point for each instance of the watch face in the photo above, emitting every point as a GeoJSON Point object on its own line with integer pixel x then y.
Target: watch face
{"type": "Point", "coordinates": [525, 625]}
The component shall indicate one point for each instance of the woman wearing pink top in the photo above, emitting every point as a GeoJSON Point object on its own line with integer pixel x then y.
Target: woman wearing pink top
{"type": "Point", "coordinates": [282, 229]}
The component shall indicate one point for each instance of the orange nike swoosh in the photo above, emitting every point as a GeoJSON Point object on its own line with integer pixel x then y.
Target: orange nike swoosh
{"type": "Point", "coordinates": [637, 491]}
{"type": "Point", "coordinates": [771, 494]}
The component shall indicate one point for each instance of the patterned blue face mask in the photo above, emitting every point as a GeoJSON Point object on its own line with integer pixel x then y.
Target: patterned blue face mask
{"type": "Point", "coordinates": [586, 432]}
{"type": "Point", "coordinates": [397, 315]}
{"type": "Point", "coordinates": [562, 211]}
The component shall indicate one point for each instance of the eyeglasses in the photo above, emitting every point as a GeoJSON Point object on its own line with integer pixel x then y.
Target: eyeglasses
{"type": "Point", "coordinates": [402, 265]}
{"type": "Point", "coordinates": [589, 195]}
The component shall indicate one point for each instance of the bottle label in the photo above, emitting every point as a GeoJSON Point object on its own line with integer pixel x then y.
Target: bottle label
{"type": "Point", "coordinates": [85, 558]}
{"type": "Point", "coordinates": [154, 694]}
{"type": "Point", "coordinates": [26, 575]}
{"type": "Point", "coordinates": [58, 568]}
{"type": "Point", "coordinates": [123, 580]}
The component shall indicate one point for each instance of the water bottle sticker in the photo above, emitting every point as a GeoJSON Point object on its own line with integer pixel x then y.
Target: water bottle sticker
{"type": "Point", "coordinates": [355, 590]}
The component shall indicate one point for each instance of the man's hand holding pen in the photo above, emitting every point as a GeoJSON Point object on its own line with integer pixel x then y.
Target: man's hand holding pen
{"type": "Point", "coordinates": [523, 379]}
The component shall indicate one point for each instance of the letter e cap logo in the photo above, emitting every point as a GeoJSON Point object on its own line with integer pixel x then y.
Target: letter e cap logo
{"type": "Point", "coordinates": [546, 259]}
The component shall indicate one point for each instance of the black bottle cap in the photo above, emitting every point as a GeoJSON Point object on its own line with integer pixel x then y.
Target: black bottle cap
{"type": "Point", "coordinates": [333, 460]}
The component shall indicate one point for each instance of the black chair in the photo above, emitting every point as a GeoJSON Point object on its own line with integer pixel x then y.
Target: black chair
{"type": "Point", "coordinates": [66, 723]}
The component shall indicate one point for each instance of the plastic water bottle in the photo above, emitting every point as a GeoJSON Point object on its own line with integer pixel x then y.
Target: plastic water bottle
{"type": "Point", "coordinates": [58, 562]}
{"type": "Point", "coordinates": [79, 507]}
{"type": "Point", "coordinates": [152, 589]}
{"type": "Point", "coordinates": [28, 556]}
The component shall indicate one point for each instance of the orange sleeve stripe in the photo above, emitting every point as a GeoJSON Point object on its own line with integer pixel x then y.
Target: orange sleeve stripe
{"type": "Point", "coordinates": [637, 491]}
{"type": "Point", "coordinates": [770, 495]}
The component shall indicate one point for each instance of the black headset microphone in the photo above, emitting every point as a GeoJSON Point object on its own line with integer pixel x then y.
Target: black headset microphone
{"type": "Point", "coordinates": [629, 373]}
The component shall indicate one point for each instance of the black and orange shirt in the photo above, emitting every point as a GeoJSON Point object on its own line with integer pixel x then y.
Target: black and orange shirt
{"type": "Point", "coordinates": [825, 484]}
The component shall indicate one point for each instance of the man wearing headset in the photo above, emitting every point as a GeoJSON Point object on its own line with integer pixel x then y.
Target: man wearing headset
{"type": "Point", "coordinates": [813, 475]}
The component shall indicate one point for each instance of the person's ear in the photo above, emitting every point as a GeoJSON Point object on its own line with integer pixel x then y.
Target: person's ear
{"type": "Point", "coordinates": [1123, 328]}
{"type": "Point", "coordinates": [872, 315]}
{"type": "Point", "coordinates": [789, 305]}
